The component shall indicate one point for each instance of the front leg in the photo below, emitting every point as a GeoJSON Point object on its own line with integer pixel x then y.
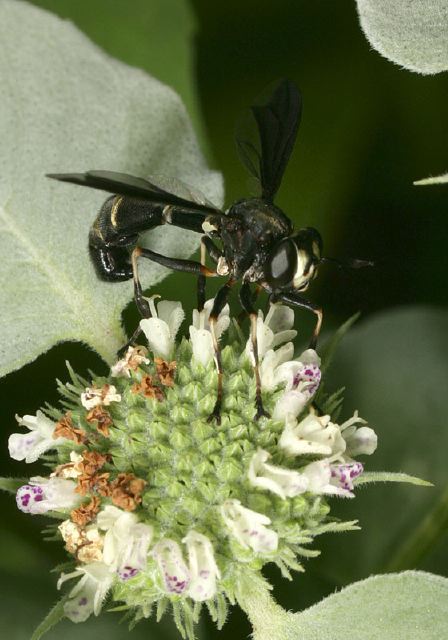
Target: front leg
{"type": "Point", "coordinates": [207, 246]}
{"type": "Point", "coordinates": [296, 300]}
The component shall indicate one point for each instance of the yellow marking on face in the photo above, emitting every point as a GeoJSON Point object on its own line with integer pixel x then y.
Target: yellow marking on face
{"type": "Point", "coordinates": [300, 279]}
{"type": "Point", "coordinates": [114, 210]}
{"type": "Point", "coordinates": [316, 250]}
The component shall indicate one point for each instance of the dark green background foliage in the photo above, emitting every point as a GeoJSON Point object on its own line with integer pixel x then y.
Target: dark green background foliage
{"type": "Point", "coordinates": [368, 130]}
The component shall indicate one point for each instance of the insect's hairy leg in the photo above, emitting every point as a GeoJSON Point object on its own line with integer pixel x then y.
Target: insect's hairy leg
{"type": "Point", "coordinates": [218, 305]}
{"type": "Point", "coordinates": [246, 302]}
{"type": "Point", "coordinates": [296, 300]}
{"type": "Point", "coordinates": [188, 266]}
{"type": "Point", "coordinates": [207, 246]}
{"type": "Point", "coordinates": [256, 292]}
{"type": "Point", "coordinates": [130, 342]}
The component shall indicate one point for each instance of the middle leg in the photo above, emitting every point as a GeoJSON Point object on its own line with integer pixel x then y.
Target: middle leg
{"type": "Point", "coordinates": [246, 302]}
{"type": "Point", "coordinates": [188, 266]}
{"type": "Point", "coordinates": [218, 306]}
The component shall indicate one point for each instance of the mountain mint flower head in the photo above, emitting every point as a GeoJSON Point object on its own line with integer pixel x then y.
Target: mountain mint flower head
{"type": "Point", "coordinates": [159, 507]}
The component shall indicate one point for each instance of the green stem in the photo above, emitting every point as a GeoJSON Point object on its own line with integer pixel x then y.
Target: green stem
{"type": "Point", "coordinates": [423, 539]}
{"type": "Point", "coordinates": [265, 615]}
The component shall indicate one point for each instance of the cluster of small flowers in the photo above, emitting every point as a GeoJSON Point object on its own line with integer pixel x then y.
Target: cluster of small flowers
{"type": "Point", "coordinates": [115, 537]}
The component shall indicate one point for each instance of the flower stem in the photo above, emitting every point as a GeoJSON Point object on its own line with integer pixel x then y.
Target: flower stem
{"type": "Point", "coordinates": [423, 538]}
{"type": "Point", "coordinates": [265, 615]}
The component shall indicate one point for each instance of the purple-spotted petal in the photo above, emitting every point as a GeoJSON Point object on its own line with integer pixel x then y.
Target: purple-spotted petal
{"type": "Point", "coordinates": [343, 475]}
{"type": "Point", "coordinates": [203, 568]}
{"type": "Point", "coordinates": [174, 571]}
{"type": "Point", "coordinates": [47, 494]}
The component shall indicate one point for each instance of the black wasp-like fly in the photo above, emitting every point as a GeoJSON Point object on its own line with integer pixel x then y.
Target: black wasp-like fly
{"type": "Point", "coordinates": [258, 243]}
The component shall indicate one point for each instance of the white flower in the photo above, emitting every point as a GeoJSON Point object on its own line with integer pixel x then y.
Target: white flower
{"type": "Point", "coordinates": [200, 334]}
{"type": "Point", "coordinates": [95, 397]}
{"type": "Point", "coordinates": [175, 574]}
{"type": "Point", "coordinates": [126, 541]}
{"type": "Point", "coordinates": [301, 378]}
{"type": "Point", "coordinates": [161, 329]}
{"type": "Point", "coordinates": [343, 475]}
{"type": "Point", "coordinates": [29, 446]}
{"type": "Point", "coordinates": [88, 594]}
{"type": "Point", "coordinates": [270, 364]}
{"type": "Point", "coordinates": [324, 478]}
{"type": "Point", "coordinates": [284, 482]}
{"type": "Point", "coordinates": [134, 357]}
{"type": "Point", "coordinates": [360, 440]}
{"type": "Point", "coordinates": [290, 404]}
{"type": "Point", "coordinates": [47, 494]}
{"type": "Point", "coordinates": [313, 435]}
{"type": "Point", "coordinates": [302, 374]}
{"type": "Point", "coordinates": [274, 330]}
{"type": "Point", "coordinates": [203, 567]}
{"type": "Point", "coordinates": [248, 528]}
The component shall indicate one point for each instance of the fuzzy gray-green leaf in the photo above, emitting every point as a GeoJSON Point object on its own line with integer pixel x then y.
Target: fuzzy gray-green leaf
{"type": "Point", "coordinates": [412, 604]}
{"type": "Point", "coordinates": [66, 106]}
{"type": "Point", "coordinates": [413, 34]}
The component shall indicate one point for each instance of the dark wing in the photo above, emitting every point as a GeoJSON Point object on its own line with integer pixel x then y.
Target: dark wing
{"type": "Point", "coordinates": [167, 190]}
{"type": "Point", "coordinates": [266, 136]}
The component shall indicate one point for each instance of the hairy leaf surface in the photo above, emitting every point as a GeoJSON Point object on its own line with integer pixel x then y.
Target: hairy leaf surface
{"type": "Point", "coordinates": [66, 106]}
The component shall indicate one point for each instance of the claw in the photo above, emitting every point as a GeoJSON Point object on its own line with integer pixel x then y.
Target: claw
{"type": "Point", "coordinates": [261, 411]}
{"type": "Point", "coordinates": [215, 414]}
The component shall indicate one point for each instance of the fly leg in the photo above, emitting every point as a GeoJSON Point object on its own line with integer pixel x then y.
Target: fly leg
{"type": "Point", "coordinates": [243, 315]}
{"type": "Point", "coordinates": [293, 299]}
{"type": "Point", "coordinates": [218, 305]}
{"type": "Point", "coordinates": [130, 342]}
{"type": "Point", "coordinates": [246, 302]}
{"type": "Point", "coordinates": [207, 246]}
{"type": "Point", "coordinates": [177, 264]}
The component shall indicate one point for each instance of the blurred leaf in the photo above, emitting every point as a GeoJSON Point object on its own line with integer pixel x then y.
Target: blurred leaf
{"type": "Point", "coordinates": [411, 34]}
{"type": "Point", "coordinates": [12, 484]}
{"type": "Point", "coordinates": [442, 179]}
{"type": "Point", "coordinates": [406, 605]}
{"type": "Point", "coordinates": [424, 537]}
{"type": "Point", "coordinates": [330, 347]}
{"type": "Point", "coordinates": [395, 371]}
{"type": "Point", "coordinates": [66, 106]}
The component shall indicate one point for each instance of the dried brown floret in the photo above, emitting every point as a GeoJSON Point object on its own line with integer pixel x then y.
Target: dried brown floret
{"type": "Point", "coordinates": [86, 512]}
{"type": "Point", "coordinates": [92, 461]}
{"type": "Point", "coordinates": [102, 418]}
{"type": "Point", "coordinates": [126, 491]}
{"type": "Point", "coordinates": [66, 429]}
{"type": "Point", "coordinates": [166, 371]}
{"type": "Point", "coordinates": [147, 388]}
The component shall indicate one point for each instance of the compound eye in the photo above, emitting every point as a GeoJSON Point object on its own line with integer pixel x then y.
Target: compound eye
{"type": "Point", "coordinates": [282, 264]}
